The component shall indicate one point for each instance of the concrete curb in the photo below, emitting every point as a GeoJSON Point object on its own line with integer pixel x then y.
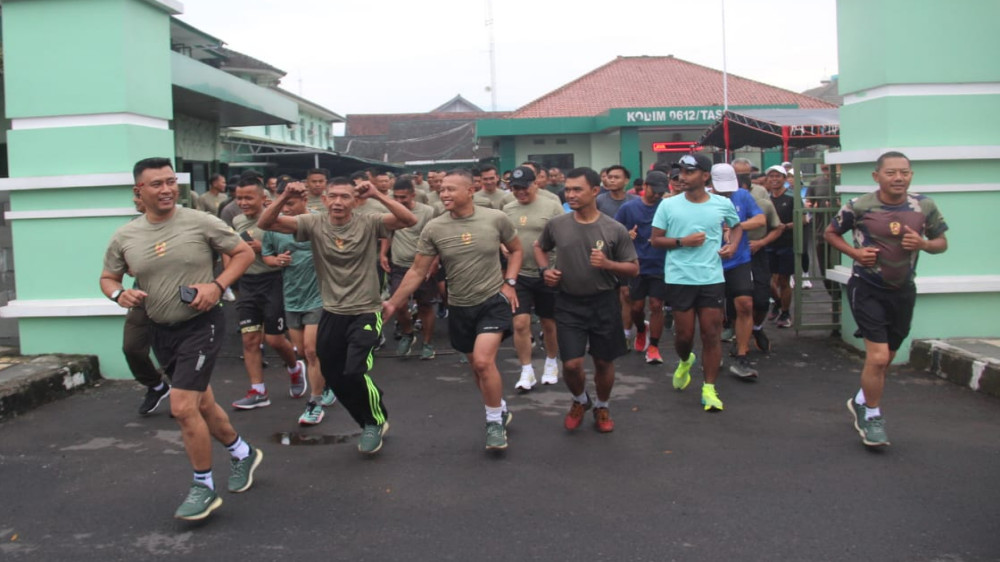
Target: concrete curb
{"type": "Point", "coordinates": [29, 382]}
{"type": "Point", "coordinates": [958, 364]}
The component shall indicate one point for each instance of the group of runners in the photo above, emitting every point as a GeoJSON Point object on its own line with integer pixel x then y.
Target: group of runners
{"type": "Point", "coordinates": [589, 259]}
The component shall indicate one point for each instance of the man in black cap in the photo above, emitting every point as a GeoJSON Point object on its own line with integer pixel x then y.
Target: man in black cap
{"type": "Point", "coordinates": [637, 217]}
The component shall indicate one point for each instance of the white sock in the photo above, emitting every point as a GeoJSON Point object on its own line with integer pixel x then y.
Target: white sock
{"type": "Point", "coordinates": [551, 362]}
{"type": "Point", "coordinates": [527, 369]}
{"type": "Point", "coordinates": [160, 386]}
{"type": "Point", "coordinates": [293, 369]}
{"type": "Point", "coordinates": [628, 334]}
{"type": "Point", "coordinates": [494, 414]}
{"type": "Point", "coordinates": [583, 398]}
{"type": "Point", "coordinates": [872, 413]}
{"type": "Point", "coordinates": [259, 387]}
{"type": "Point", "coordinates": [239, 449]}
{"type": "Point", "coordinates": [758, 328]}
{"type": "Point", "coordinates": [205, 478]}
{"type": "Point", "coordinates": [600, 403]}
{"type": "Point", "coordinates": [315, 398]}
{"type": "Point", "coordinates": [503, 405]}
{"type": "Point", "coordinates": [859, 398]}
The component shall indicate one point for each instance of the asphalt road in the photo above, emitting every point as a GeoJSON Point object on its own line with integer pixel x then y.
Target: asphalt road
{"type": "Point", "coordinates": [779, 475]}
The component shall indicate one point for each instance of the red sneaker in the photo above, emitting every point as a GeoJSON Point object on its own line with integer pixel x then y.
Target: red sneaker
{"type": "Point", "coordinates": [575, 416]}
{"type": "Point", "coordinates": [653, 356]}
{"type": "Point", "coordinates": [603, 421]}
{"type": "Point", "coordinates": [640, 342]}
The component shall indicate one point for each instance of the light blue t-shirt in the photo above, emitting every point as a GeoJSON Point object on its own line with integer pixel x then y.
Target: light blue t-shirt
{"type": "Point", "coordinates": [678, 217]}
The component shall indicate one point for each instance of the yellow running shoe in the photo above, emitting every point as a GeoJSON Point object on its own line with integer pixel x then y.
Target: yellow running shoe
{"type": "Point", "coordinates": [710, 399]}
{"type": "Point", "coordinates": [682, 375]}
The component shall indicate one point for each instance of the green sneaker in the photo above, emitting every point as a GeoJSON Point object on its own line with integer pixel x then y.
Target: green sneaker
{"type": "Point", "coordinates": [682, 375]}
{"type": "Point", "coordinates": [199, 503]}
{"type": "Point", "coordinates": [371, 438]}
{"type": "Point", "coordinates": [496, 436]}
{"type": "Point", "coordinates": [858, 413]}
{"type": "Point", "coordinates": [241, 473]}
{"type": "Point", "coordinates": [874, 434]}
{"type": "Point", "coordinates": [404, 346]}
{"type": "Point", "coordinates": [427, 352]}
{"type": "Point", "coordinates": [313, 414]}
{"type": "Point", "coordinates": [710, 399]}
{"type": "Point", "coordinates": [329, 398]}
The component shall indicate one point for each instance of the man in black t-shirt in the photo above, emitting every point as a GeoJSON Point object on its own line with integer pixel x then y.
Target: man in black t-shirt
{"type": "Point", "coordinates": [781, 254]}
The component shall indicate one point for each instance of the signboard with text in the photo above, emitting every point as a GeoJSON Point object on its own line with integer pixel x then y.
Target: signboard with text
{"type": "Point", "coordinates": [675, 116]}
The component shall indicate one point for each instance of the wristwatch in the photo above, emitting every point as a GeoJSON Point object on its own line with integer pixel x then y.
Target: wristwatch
{"type": "Point", "coordinates": [115, 295]}
{"type": "Point", "coordinates": [678, 242]}
{"type": "Point", "coordinates": [511, 282]}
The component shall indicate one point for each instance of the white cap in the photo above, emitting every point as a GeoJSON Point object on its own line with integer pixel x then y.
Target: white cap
{"type": "Point", "coordinates": [776, 168]}
{"type": "Point", "coordinates": [724, 178]}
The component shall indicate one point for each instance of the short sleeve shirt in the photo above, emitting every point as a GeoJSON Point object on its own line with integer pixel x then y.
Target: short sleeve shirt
{"type": "Point", "coordinates": [299, 283]}
{"type": "Point", "coordinates": [784, 205]}
{"type": "Point", "coordinates": [746, 208]}
{"type": "Point", "coordinates": [881, 226]}
{"type": "Point", "coordinates": [496, 200]}
{"type": "Point", "coordinates": [609, 206]}
{"type": "Point", "coordinates": [575, 240]}
{"type": "Point", "coordinates": [771, 220]}
{"type": "Point", "coordinates": [637, 214]}
{"type": "Point", "coordinates": [164, 256]}
{"type": "Point", "coordinates": [470, 251]}
{"type": "Point", "coordinates": [243, 223]}
{"type": "Point", "coordinates": [678, 217]}
{"type": "Point", "coordinates": [346, 257]}
{"type": "Point", "coordinates": [529, 221]}
{"type": "Point", "coordinates": [404, 240]}
{"type": "Point", "coordinates": [210, 203]}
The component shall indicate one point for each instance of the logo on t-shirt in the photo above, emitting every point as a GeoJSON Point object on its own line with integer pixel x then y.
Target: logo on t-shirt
{"type": "Point", "coordinates": [523, 220]}
{"type": "Point", "coordinates": [895, 228]}
{"type": "Point", "coordinates": [339, 243]}
{"type": "Point", "coordinates": [160, 248]}
{"type": "Point", "coordinates": [466, 237]}
{"type": "Point", "coordinates": [599, 244]}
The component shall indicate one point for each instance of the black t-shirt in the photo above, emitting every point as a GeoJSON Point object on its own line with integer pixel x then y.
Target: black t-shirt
{"type": "Point", "coordinates": [784, 204]}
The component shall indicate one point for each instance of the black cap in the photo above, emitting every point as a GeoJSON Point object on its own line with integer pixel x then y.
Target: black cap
{"type": "Point", "coordinates": [658, 181]}
{"type": "Point", "coordinates": [695, 162]}
{"type": "Point", "coordinates": [522, 176]}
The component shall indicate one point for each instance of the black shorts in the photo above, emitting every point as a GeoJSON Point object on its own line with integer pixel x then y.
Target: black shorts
{"type": "Point", "coordinates": [261, 304]}
{"type": "Point", "coordinates": [882, 315]}
{"type": "Point", "coordinates": [739, 281]}
{"type": "Point", "coordinates": [187, 350]}
{"type": "Point", "coordinates": [533, 293]}
{"type": "Point", "coordinates": [760, 272]}
{"type": "Point", "coordinates": [465, 323]}
{"type": "Point", "coordinates": [781, 261]}
{"type": "Point", "coordinates": [643, 286]}
{"type": "Point", "coordinates": [426, 293]}
{"type": "Point", "coordinates": [595, 320]}
{"type": "Point", "coordinates": [686, 297]}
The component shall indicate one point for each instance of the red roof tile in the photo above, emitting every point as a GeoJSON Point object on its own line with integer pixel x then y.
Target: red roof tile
{"type": "Point", "coordinates": [655, 82]}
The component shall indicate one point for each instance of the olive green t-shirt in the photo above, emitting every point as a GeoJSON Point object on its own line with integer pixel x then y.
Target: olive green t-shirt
{"type": "Point", "coordinates": [369, 207]}
{"type": "Point", "coordinates": [771, 220]}
{"type": "Point", "coordinates": [315, 204]}
{"type": "Point", "coordinates": [530, 220]}
{"type": "Point", "coordinates": [495, 200]}
{"type": "Point", "coordinates": [434, 200]}
{"type": "Point", "coordinates": [470, 251]}
{"type": "Point", "coordinates": [575, 240]}
{"type": "Point", "coordinates": [164, 256]}
{"type": "Point", "coordinates": [546, 194]}
{"type": "Point", "coordinates": [210, 203]}
{"type": "Point", "coordinates": [404, 240]}
{"type": "Point", "coordinates": [243, 223]}
{"type": "Point", "coordinates": [346, 258]}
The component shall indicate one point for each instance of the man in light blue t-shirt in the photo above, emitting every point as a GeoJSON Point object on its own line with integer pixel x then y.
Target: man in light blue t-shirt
{"type": "Point", "coordinates": [689, 226]}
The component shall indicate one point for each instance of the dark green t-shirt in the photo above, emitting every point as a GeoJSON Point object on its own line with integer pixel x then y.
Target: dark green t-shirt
{"type": "Point", "coordinates": [574, 241]}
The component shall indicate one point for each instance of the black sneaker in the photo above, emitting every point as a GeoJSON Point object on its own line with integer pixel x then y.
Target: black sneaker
{"type": "Point", "coordinates": [784, 320]}
{"type": "Point", "coordinates": [775, 312]}
{"type": "Point", "coordinates": [442, 311]}
{"type": "Point", "coordinates": [742, 369]}
{"type": "Point", "coordinates": [761, 341]}
{"type": "Point", "coordinates": [153, 399]}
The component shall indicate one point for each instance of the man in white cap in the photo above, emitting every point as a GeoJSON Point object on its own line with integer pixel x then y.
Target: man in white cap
{"type": "Point", "coordinates": [781, 255]}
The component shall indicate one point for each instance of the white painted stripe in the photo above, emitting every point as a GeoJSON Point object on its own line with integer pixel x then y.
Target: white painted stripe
{"type": "Point", "coordinates": [68, 181]}
{"type": "Point", "coordinates": [943, 284]}
{"type": "Point", "coordinates": [900, 90]}
{"type": "Point", "coordinates": [931, 188]}
{"type": "Point", "coordinates": [870, 155]}
{"type": "Point", "coordinates": [89, 120]}
{"type": "Point", "coordinates": [71, 213]}
{"type": "Point", "coordinates": [61, 308]}
{"type": "Point", "coordinates": [977, 374]}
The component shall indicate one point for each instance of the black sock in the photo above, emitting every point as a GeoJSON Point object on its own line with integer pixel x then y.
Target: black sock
{"type": "Point", "coordinates": [655, 342]}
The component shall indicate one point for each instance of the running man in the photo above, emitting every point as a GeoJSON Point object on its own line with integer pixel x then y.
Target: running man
{"type": "Point", "coordinates": [594, 251]}
{"type": "Point", "coordinates": [891, 227]}
{"type": "Point", "coordinates": [689, 226]}
{"type": "Point", "coordinates": [481, 299]}
{"type": "Point", "coordinates": [303, 304]}
{"type": "Point", "coordinates": [170, 251]}
{"type": "Point", "coordinates": [345, 252]}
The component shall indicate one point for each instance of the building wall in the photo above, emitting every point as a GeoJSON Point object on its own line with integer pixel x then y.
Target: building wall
{"type": "Point", "coordinates": [196, 139]}
{"type": "Point", "coordinates": [577, 145]}
{"type": "Point", "coordinates": [321, 138]}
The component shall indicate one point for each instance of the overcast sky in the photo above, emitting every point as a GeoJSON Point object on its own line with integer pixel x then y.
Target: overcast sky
{"type": "Point", "coordinates": [399, 56]}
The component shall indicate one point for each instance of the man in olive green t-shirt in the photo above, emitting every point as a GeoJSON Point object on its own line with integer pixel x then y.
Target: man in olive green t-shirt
{"type": "Point", "coordinates": [316, 183]}
{"type": "Point", "coordinates": [345, 252]}
{"type": "Point", "coordinates": [480, 298]}
{"type": "Point", "coordinates": [215, 196]}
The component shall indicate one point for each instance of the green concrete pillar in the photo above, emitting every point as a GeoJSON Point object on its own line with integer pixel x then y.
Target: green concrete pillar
{"type": "Point", "coordinates": [936, 102]}
{"type": "Point", "coordinates": [83, 110]}
{"type": "Point", "coordinates": [631, 153]}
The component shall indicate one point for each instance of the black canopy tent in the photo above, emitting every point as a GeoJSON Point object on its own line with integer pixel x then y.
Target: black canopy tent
{"type": "Point", "coordinates": [767, 128]}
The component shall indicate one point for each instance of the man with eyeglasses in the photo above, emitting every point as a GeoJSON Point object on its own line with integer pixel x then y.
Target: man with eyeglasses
{"type": "Point", "coordinates": [530, 213]}
{"type": "Point", "coordinates": [891, 227]}
{"type": "Point", "coordinates": [170, 251]}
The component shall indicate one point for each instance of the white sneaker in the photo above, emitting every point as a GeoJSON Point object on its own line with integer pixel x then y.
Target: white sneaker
{"type": "Point", "coordinates": [551, 374]}
{"type": "Point", "coordinates": [228, 295]}
{"type": "Point", "coordinates": [807, 284]}
{"type": "Point", "coordinates": [527, 380]}
{"type": "Point", "coordinates": [791, 282]}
